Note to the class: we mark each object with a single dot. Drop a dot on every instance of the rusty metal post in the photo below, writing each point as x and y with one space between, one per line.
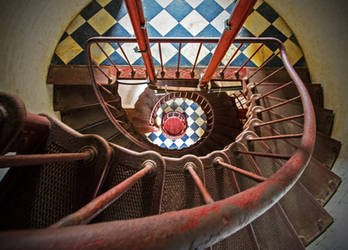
135 11
234 24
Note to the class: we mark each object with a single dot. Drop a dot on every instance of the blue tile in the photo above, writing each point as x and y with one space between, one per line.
230 8
184 61
209 31
179 9
184 105
117 59
194 126
210 46
194 116
178 31
151 9
152 32
204 126
267 12
163 145
173 61
174 106
194 137
122 12
152 136
204 117
194 106
164 106
117 30
80 59
83 33
245 33
56 60
205 61
139 61
162 137
90 10
183 146
272 31
209 9
155 62
184 138
173 146
114 8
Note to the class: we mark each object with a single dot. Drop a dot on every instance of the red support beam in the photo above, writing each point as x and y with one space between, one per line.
234 24
136 14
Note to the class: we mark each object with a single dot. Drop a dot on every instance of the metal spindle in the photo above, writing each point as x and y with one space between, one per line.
100 203
206 196
279 104
177 73
275 137
267 77
279 120
161 59
125 56
108 57
8 161
275 90
102 71
229 61
241 171
194 65
105 89
262 154
257 50
263 65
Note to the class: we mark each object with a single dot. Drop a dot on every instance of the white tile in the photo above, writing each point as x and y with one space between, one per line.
168 143
189 142
189 131
219 21
179 143
194 23
157 141
189 121
163 22
179 101
164 3
224 3
129 51
190 52
199 132
168 51
126 24
194 3
200 121
189 111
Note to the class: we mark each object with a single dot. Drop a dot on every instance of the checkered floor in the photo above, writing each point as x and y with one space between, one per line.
196 124
173 18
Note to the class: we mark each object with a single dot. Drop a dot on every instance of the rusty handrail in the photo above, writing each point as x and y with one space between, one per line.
197 227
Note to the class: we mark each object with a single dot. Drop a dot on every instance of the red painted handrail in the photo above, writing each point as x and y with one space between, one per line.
197 227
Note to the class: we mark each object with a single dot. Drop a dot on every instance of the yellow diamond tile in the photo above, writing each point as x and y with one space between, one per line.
256 24
102 21
230 53
75 24
97 55
68 49
282 27
294 52
262 55
103 3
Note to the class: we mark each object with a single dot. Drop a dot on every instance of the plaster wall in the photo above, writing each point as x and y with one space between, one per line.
30 31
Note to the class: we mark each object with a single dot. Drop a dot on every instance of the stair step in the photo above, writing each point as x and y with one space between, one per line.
73 97
281 76
79 118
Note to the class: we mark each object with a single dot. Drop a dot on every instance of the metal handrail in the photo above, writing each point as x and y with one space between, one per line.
197 227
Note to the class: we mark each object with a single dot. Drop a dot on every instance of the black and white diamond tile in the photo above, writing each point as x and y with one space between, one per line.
196 124
174 18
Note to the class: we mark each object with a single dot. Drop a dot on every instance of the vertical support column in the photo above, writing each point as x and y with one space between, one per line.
136 14
234 24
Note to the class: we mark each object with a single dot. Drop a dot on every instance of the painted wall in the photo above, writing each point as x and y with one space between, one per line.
30 31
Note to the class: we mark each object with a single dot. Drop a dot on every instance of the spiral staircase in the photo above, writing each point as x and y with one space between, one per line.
258 178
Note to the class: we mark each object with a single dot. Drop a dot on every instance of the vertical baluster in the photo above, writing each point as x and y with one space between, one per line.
229 61
257 50
161 60
194 65
177 73
125 56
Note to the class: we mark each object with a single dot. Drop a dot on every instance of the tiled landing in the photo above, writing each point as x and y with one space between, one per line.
173 18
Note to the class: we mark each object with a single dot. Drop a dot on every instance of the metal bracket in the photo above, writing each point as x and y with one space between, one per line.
137 50
228 27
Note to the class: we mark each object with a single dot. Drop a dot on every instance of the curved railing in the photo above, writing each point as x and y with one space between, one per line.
196 227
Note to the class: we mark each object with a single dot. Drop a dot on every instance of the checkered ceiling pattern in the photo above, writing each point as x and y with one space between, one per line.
196 124
173 18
